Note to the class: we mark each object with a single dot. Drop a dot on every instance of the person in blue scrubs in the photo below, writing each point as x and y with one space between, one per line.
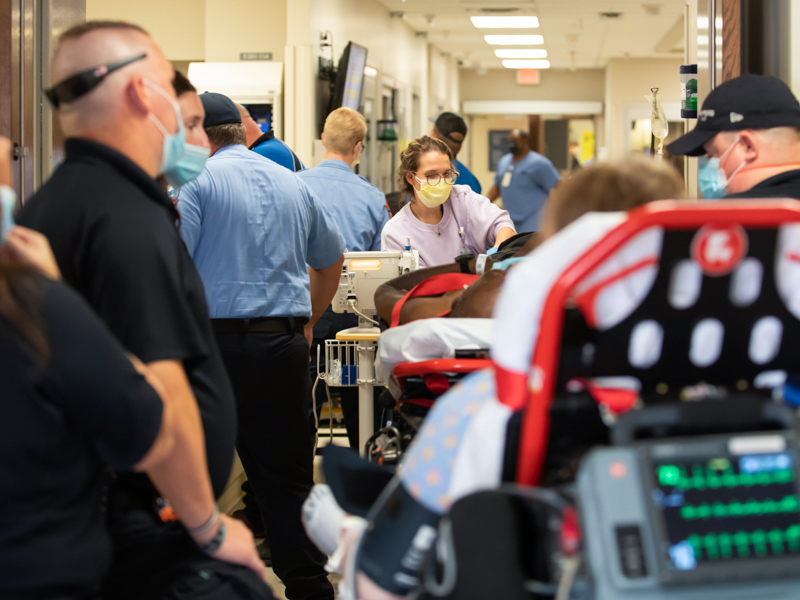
452 130
270 257
360 211
524 179
266 144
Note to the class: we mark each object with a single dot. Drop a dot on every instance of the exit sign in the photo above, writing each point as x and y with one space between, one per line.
255 56
528 76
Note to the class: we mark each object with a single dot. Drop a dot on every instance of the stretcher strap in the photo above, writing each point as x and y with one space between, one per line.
433 286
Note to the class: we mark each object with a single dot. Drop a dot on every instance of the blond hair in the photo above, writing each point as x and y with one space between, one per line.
344 128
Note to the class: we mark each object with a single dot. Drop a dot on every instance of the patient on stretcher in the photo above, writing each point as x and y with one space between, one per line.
461 447
468 326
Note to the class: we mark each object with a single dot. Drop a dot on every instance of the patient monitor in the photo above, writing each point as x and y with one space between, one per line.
362 273
712 517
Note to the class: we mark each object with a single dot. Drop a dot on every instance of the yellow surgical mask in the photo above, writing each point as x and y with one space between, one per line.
433 195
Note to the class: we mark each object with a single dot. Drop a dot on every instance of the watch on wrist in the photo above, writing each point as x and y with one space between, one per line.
463 261
212 545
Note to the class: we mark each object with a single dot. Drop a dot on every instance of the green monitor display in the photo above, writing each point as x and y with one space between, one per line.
725 509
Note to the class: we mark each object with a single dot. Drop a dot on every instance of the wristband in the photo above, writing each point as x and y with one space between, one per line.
211 546
480 264
207 526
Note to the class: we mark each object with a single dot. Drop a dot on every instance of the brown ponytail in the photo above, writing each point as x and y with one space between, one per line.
20 297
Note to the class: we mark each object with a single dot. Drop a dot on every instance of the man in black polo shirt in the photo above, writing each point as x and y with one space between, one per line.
748 140
113 232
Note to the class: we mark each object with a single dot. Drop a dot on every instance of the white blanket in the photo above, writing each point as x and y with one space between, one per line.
428 339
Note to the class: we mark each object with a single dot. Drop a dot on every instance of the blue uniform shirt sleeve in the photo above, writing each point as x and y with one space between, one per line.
502 165
191 215
544 174
325 242
383 219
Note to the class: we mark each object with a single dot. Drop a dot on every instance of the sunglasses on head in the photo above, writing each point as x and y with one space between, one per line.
82 83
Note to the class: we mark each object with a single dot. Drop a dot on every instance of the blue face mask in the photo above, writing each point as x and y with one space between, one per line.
189 165
8 200
174 143
711 178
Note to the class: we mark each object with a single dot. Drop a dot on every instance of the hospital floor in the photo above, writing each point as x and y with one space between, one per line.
278 589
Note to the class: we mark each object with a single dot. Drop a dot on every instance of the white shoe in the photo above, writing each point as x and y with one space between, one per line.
322 518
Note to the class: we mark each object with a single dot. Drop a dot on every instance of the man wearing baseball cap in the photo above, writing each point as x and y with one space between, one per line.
452 130
270 257
748 140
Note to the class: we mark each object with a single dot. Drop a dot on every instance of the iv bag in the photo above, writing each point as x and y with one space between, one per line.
658 120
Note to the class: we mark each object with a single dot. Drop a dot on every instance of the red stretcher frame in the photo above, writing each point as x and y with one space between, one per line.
669 214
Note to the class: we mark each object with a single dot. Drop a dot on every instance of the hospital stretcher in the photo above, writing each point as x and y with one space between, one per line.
687 436
700 449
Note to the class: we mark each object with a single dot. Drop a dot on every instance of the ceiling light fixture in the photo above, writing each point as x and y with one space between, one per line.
526 64
514 40
521 53
505 22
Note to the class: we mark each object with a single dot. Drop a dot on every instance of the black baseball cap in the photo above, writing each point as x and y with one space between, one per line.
448 123
220 110
747 102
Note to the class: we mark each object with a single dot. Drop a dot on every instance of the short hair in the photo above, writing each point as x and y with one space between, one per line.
181 84
455 147
409 158
227 134
344 128
605 187
82 29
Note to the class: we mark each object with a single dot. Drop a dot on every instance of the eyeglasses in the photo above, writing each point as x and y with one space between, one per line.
82 83
363 147
449 177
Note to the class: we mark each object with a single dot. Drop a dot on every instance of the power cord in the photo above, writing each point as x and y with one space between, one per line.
351 304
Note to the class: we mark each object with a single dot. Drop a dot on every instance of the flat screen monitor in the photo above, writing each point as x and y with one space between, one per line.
350 77
720 511
262 114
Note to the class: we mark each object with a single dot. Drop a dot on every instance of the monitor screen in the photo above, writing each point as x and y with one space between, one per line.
262 114
725 509
350 76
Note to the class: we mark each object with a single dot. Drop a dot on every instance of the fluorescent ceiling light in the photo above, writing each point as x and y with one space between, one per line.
521 53
514 40
370 71
526 64
505 22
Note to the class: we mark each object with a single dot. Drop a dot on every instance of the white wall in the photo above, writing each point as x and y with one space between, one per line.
501 84
243 26
177 26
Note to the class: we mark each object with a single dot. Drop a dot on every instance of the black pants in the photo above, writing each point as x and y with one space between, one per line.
269 373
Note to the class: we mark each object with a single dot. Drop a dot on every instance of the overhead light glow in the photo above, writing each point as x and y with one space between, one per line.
526 64
505 22
521 53
370 71
514 40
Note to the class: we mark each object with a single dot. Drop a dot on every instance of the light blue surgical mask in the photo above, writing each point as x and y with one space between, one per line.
174 143
8 199
189 165
711 177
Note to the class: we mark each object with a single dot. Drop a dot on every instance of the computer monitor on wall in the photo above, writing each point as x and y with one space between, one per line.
349 85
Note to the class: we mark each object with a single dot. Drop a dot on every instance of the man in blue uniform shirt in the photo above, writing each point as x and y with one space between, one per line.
452 130
266 144
360 211
524 179
270 259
